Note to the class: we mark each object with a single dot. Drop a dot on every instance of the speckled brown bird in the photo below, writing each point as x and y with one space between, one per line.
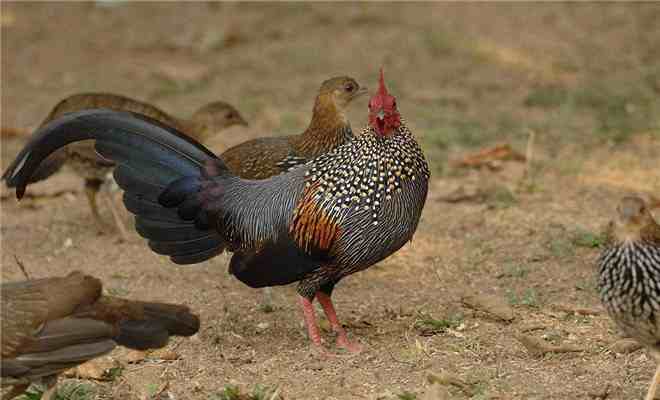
264 157
629 276
50 325
315 224
81 157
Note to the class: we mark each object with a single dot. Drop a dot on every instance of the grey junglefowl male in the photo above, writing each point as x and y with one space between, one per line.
50 325
338 214
629 276
329 127
206 122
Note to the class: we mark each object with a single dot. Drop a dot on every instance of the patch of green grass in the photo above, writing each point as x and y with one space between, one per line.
33 393
621 108
468 133
561 247
152 389
479 391
439 43
546 97
603 107
260 392
571 166
427 325
501 197
514 270
75 391
583 238
113 373
406 395
118 291
263 392
528 298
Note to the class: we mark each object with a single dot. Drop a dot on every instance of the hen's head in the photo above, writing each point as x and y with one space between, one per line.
384 117
218 115
341 91
634 220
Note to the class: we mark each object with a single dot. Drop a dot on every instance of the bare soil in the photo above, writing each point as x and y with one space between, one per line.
584 77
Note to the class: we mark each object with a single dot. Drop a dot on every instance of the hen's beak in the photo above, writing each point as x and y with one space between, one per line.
241 121
360 92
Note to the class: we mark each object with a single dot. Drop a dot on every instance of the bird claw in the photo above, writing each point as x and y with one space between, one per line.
322 353
351 347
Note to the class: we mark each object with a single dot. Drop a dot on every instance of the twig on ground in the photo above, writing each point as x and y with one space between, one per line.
22 267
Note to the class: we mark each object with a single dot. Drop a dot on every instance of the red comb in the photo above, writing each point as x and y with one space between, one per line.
382 90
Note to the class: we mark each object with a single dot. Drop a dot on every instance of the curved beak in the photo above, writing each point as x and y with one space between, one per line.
380 115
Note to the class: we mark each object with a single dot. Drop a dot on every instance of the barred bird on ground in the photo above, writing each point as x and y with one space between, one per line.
315 224
50 325
206 122
329 127
629 276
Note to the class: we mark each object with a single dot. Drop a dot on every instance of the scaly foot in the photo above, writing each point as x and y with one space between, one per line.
351 347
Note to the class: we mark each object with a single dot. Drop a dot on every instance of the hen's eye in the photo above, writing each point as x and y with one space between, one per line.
349 87
230 115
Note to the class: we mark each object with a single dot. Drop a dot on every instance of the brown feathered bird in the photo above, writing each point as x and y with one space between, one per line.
264 157
315 224
81 157
329 127
53 324
629 276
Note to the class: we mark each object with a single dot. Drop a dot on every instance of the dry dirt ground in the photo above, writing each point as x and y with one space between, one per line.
585 78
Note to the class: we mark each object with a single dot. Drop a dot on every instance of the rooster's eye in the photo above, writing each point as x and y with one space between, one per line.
349 87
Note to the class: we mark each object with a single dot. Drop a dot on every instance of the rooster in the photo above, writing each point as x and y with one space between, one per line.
329 127
338 214
50 325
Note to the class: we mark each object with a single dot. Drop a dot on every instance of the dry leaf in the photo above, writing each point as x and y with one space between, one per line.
492 305
448 379
625 346
537 347
6 132
462 194
436 392
164 354
97 369
490 157
135 356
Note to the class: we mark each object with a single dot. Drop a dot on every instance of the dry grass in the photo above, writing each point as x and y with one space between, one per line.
583 77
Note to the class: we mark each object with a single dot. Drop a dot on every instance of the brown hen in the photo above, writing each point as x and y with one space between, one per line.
50 325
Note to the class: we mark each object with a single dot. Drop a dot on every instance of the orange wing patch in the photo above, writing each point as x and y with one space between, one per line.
312 228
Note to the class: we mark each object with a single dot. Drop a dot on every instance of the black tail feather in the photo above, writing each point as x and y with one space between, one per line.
150 157
182 248
49 166
160 322
142 335
197 257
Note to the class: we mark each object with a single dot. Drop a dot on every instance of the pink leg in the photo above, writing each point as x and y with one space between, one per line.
310 320
342 339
